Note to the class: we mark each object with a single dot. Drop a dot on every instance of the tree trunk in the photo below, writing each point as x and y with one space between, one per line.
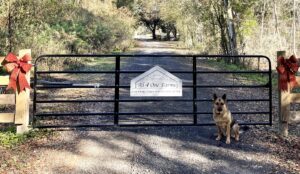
168 35
294 27
153 30
9 27
222 26
224 43
174 31
277 32
231 30
263 11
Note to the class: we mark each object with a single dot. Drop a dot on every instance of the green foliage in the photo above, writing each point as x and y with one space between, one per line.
9 138
260 78
2 70
147 13
54 26
125 3
247 27
247 20
102 64
202 24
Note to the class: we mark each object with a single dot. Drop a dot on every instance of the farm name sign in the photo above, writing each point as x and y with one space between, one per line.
156 82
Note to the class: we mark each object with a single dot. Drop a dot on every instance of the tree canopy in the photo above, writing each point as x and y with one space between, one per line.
72 26
210 26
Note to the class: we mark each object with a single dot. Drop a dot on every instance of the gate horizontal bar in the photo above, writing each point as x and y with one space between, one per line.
188 100
233 86
135 72
107 114
73 86
139 125
191 124
186 113
147 55
146 100
140 113
74 114
99 72
127 86
233 72
73 126
77 72
73 101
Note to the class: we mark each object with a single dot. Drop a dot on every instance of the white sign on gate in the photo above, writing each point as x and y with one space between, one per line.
156 82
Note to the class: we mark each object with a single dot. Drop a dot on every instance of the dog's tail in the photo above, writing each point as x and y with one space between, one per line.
238 128
243 128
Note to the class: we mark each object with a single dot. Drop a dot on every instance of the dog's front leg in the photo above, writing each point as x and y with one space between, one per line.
219 134
228 134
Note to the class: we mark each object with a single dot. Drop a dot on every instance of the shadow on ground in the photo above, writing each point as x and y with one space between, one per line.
154 150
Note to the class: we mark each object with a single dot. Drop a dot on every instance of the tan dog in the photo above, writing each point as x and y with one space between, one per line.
223 119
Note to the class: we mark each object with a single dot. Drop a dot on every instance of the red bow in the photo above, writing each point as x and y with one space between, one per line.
287 69
17 69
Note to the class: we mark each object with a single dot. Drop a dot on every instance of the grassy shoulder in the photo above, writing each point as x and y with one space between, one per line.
259 78
10 139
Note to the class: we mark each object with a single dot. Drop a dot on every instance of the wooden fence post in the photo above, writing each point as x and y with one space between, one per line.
284 104
22 102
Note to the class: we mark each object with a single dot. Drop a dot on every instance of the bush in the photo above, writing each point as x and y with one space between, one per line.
49 27
9 138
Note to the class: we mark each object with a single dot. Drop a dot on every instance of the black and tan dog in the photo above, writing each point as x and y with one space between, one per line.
223 119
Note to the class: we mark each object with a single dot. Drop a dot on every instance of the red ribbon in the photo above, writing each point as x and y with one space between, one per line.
17 69
287 69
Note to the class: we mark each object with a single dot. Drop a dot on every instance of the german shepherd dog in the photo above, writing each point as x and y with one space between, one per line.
223 119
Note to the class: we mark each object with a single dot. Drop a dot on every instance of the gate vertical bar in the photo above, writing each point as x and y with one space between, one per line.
270 92
117 90
195 89
34 95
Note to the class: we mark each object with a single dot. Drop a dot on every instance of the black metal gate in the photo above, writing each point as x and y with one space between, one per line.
116 72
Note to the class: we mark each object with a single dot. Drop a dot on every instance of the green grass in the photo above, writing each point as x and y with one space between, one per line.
105 64
260 78
295 90
274 79
9 138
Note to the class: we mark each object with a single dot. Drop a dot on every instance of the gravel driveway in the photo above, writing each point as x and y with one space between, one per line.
156 149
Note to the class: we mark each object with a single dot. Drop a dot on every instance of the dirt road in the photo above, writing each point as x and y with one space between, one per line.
155 149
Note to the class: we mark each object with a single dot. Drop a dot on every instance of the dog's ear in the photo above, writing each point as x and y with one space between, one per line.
215 97
224 97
